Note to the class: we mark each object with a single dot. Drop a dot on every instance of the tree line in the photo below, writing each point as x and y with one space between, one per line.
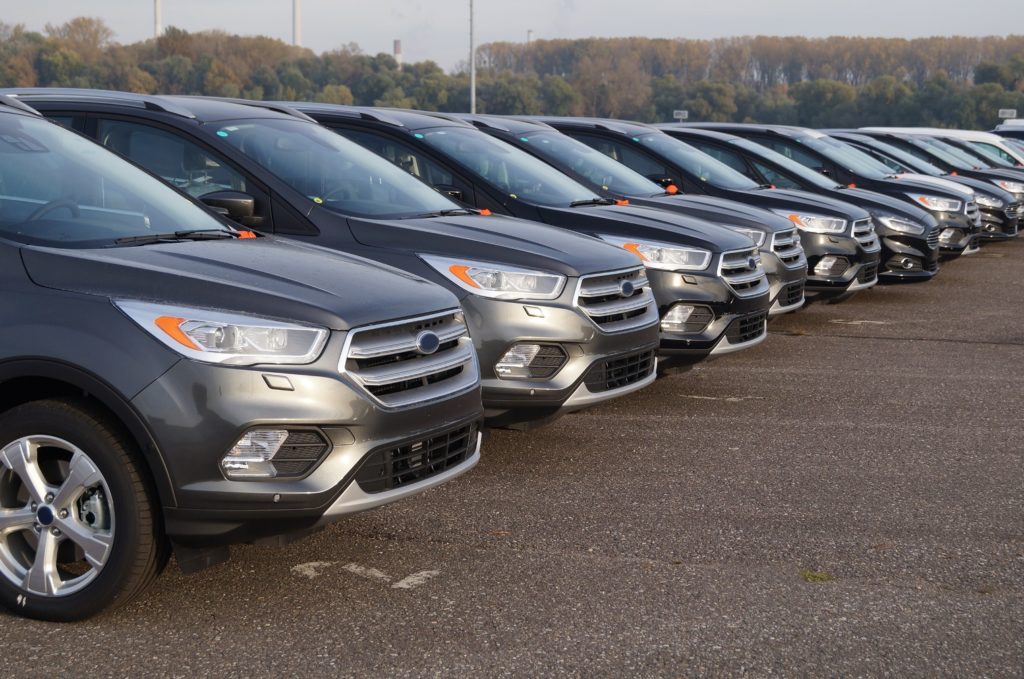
838 81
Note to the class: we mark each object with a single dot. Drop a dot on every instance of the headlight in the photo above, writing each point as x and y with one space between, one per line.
214 336
902 225
664 255
499 281
988 201
814 223
1012 187
936 202
753 234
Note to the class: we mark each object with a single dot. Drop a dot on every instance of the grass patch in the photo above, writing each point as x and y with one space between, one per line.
815 576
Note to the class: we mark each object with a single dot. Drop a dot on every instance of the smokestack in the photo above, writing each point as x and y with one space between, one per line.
297 23
398 54
529 36
158 28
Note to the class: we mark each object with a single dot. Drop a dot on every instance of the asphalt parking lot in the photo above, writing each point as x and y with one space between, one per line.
846 499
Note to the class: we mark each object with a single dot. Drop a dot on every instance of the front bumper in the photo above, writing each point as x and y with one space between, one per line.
907 258
861 272
734 320
1003 224
786 283
965 234
196 412
497 325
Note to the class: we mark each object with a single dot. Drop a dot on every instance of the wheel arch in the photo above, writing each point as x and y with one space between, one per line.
25 380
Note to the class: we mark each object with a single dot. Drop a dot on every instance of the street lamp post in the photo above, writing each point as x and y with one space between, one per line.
472 60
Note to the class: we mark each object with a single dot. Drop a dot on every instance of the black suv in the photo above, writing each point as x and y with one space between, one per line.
166 379
776 237
560 321
838 238
1001 208
955 210
709 282
909 235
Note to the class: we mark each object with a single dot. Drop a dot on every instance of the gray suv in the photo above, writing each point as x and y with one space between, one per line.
167 381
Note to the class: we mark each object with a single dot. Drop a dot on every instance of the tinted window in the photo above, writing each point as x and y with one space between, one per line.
512 171
178 161
700 165
60 189
589 163
994 152
639 162
730 158
912 161
774 178
330 170
801 172
845 156
403 156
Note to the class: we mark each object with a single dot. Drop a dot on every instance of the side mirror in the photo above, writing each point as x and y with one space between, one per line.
241 207
664 182
450 191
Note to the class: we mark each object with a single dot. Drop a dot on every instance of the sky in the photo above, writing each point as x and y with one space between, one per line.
439 29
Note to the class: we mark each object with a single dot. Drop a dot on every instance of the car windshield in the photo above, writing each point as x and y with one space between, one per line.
991 154
512 171
850 159
911 161
970 160
697 163
594 166
332 171
932 147
59 189
1016 144
805 173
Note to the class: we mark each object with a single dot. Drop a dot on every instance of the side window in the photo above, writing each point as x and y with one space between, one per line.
995 151
178 161
64 121
729 157
410 160
638 162
775 178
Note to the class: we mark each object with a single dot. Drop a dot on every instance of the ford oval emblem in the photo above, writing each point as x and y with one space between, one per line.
752 263
626 288
427 342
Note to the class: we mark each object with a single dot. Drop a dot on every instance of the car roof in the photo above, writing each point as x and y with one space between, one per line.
625 127
412 120
717 135
971 135
782 130
510 124
12 105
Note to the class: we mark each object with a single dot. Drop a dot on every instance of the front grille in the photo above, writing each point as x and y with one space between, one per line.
1015 210
791 294
299 453
391 361
933 238
864 232
393 468
617 301
931 263
786 246
742 270
623 371
868 273
747 328
973 212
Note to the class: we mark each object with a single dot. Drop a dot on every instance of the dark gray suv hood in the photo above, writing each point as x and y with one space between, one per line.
263 277
496 239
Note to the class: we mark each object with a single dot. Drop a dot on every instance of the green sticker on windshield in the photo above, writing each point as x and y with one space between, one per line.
318 200
221 133
418 135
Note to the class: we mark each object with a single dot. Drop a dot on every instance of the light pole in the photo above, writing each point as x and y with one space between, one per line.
297 23
472 60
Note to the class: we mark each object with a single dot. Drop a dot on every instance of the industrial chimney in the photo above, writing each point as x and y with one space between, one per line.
297 23
398 54
158 28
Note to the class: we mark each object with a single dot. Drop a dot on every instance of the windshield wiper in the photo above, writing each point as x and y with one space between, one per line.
175 236
592 201
450 212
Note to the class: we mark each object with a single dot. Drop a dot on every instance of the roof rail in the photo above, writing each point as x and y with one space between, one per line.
276 106
148 101
12 102
349 111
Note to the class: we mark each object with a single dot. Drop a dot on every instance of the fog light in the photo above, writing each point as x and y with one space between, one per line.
530 361
685 318
950 236
250 457
830 265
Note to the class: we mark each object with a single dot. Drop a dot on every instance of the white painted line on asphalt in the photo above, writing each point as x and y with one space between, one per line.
312 569
843 321
368 573
729 399
415 580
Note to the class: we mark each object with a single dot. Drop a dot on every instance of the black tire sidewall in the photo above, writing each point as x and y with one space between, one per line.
108 452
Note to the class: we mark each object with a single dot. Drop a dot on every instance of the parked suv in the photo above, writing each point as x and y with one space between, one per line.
909 235
709 283
560 321
166 378
955 210
838 238
775 236
1001 208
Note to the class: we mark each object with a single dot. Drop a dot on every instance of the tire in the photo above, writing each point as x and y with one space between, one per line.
93 541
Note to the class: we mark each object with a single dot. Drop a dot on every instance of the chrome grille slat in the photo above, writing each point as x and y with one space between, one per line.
385 362
599 296
735 269
972 210
933 238
787 247
864 231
